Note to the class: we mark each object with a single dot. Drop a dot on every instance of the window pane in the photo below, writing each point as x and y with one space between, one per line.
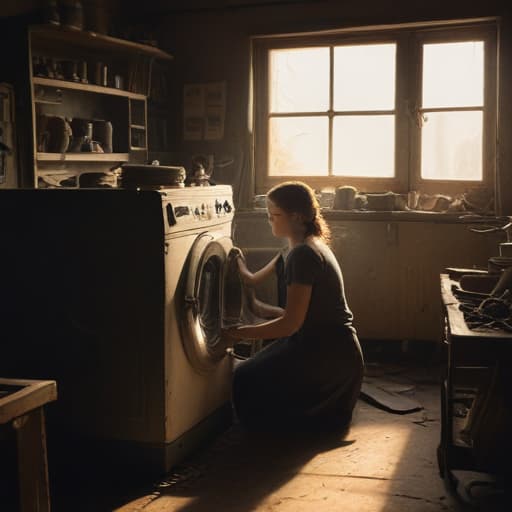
298 145
451 146
299 80
364 146
364 77
453 74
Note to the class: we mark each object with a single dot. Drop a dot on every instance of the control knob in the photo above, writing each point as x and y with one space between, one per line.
227 207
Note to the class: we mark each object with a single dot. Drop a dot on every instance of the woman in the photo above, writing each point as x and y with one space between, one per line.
310 377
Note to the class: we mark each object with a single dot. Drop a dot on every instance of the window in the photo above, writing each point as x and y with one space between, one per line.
403 109
452 110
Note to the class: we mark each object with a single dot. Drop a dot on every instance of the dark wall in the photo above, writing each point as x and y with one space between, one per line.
17 7
213 44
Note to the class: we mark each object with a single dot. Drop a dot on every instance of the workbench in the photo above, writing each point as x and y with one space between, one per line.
472 357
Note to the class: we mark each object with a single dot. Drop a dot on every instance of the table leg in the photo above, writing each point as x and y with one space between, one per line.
32 462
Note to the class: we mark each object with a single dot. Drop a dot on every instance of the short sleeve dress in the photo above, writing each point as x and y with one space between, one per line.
312 378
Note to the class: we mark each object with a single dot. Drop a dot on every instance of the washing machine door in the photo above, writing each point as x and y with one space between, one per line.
213 298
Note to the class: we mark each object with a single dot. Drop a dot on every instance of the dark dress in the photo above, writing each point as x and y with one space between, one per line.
311 379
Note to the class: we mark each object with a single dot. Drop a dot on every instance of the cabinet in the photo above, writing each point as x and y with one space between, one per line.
82 104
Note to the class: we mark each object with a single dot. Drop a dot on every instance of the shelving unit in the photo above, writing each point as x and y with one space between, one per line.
112 95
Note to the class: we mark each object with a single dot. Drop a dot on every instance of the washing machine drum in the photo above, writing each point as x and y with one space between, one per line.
213 298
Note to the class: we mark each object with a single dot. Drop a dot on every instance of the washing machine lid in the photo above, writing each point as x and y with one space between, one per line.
213 296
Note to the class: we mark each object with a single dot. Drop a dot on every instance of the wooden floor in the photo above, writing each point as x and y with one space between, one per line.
386 463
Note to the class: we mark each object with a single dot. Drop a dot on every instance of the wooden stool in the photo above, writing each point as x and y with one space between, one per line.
21 405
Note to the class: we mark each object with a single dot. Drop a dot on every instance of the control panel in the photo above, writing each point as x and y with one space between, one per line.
190 208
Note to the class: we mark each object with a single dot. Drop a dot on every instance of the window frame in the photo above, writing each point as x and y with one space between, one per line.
489 109
408 93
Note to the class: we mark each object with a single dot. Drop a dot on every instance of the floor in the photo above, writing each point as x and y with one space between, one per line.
386 463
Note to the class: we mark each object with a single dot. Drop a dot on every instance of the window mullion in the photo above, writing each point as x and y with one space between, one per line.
415 66
331 108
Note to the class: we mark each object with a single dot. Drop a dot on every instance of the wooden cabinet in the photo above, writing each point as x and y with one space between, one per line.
82 102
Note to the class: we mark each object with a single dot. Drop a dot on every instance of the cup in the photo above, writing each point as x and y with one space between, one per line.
412 199
344 198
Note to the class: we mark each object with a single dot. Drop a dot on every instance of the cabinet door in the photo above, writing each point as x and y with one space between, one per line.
368 254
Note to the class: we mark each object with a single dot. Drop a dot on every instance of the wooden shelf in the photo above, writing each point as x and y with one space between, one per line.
78 86
93 40
83 157
47 102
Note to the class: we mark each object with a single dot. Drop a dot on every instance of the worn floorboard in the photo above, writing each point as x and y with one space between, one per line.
386 463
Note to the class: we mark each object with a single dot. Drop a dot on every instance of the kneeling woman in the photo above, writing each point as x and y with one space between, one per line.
310 377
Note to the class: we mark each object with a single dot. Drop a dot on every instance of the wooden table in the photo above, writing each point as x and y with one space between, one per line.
472 355
21 405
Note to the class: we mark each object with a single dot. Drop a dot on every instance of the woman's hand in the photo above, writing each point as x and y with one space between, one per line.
245 274
254 278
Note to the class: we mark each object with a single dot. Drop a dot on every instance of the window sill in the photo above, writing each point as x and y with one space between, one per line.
389 216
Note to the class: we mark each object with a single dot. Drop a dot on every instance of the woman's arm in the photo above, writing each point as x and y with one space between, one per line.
298 297
262 309
254 278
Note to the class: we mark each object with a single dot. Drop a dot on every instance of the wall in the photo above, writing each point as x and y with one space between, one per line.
21 7
213 44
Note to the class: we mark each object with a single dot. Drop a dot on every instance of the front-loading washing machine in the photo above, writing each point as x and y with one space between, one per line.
200 298
120 296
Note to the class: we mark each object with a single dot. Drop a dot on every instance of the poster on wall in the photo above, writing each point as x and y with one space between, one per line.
193 112
215 110
204 111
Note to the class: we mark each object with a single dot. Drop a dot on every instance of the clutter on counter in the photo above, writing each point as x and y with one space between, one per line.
348 198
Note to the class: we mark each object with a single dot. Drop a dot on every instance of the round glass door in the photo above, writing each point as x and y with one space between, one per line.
205 297
233 299
209 303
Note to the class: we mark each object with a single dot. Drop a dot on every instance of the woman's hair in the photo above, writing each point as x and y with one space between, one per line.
297 197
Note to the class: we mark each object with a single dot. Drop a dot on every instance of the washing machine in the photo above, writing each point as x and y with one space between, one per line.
120 296
202 298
